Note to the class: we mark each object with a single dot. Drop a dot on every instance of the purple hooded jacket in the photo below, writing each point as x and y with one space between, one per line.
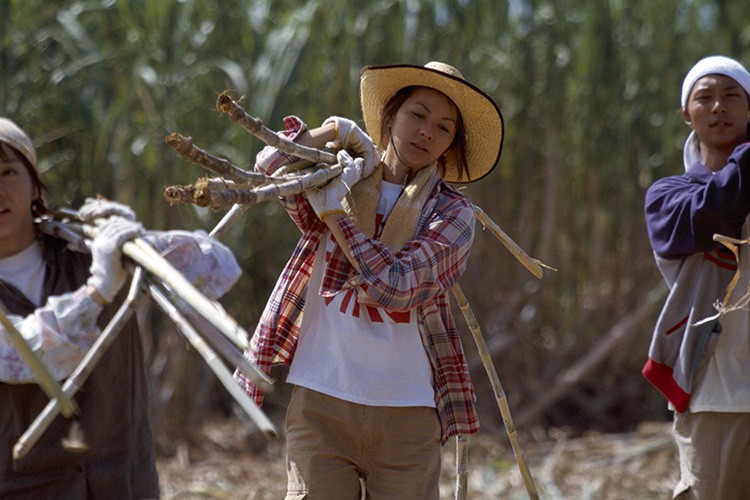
683 212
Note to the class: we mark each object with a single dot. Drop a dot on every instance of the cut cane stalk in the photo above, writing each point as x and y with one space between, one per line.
180 195
143 254
255 126
75 441
226 223
462 467
500 398
225 168
43 377
733 245
69 232
177 195
140 251
214 362
208 332
217 194
533 265
200 192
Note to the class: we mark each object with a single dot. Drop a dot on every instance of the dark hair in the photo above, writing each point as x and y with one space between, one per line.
456 151
39 206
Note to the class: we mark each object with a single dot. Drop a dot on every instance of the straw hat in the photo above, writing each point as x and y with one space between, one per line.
481 116
14 136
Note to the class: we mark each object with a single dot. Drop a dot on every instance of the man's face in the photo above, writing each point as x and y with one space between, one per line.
718 110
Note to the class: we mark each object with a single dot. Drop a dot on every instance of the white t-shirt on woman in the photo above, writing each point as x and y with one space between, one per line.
360 353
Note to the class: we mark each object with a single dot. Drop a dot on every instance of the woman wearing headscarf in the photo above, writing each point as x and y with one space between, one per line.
698 360
361 311
59 300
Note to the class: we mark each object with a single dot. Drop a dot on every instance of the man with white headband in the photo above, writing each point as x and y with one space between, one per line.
700 361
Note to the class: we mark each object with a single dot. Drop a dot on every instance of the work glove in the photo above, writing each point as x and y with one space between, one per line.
100 208
327 199
349 136
108 273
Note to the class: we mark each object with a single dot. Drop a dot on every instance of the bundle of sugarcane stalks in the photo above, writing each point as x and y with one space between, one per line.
217 337
239 189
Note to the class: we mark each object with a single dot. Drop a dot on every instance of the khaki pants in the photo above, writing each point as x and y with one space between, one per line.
714 451
332 444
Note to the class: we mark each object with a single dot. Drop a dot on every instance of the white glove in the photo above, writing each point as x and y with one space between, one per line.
99 208
107 271
349 136
327 199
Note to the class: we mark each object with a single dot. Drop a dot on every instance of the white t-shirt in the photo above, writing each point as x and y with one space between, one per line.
25 271
724 386
360 353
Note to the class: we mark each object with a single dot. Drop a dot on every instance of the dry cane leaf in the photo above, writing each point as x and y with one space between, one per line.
724 306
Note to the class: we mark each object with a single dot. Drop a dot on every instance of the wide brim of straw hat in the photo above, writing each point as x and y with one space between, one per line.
482 119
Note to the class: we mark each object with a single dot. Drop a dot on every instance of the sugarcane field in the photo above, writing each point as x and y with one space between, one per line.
466 249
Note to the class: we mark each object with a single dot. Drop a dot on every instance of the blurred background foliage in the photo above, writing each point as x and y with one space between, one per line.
589 90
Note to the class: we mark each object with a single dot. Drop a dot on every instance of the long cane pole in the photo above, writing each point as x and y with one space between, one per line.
215 363
502 401
462 467
43 377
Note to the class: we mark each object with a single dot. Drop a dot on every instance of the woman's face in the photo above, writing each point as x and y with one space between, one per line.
718 111
17 192
422 129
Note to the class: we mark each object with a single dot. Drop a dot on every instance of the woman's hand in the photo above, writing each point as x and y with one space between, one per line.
327 199
99 208
350 137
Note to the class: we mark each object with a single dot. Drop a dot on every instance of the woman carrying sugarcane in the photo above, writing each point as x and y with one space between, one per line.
361 311
58 299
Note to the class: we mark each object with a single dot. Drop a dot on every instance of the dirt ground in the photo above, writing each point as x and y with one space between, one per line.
641 465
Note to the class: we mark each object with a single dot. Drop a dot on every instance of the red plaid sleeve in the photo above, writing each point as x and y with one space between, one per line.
270 159
424 268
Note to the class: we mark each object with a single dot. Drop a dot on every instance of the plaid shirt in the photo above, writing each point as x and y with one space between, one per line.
418 276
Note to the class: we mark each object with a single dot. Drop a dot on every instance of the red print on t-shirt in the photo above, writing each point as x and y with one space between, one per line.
374 313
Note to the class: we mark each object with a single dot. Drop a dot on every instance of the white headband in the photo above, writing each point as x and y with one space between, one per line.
712 65
14 136
715 65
